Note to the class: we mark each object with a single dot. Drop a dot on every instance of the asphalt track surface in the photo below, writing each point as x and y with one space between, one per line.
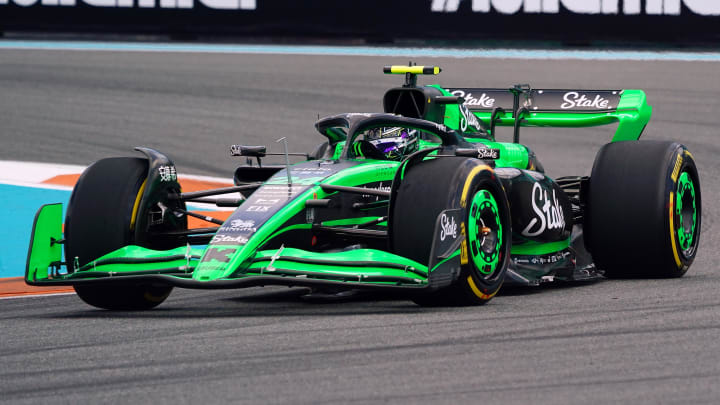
634 341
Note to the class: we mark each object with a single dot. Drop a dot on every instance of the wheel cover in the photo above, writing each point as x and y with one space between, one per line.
686 212
485 247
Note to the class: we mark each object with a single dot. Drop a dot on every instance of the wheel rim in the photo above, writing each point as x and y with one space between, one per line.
686 212
485 233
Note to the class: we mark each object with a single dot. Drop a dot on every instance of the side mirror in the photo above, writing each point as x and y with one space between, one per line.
243 150
259 152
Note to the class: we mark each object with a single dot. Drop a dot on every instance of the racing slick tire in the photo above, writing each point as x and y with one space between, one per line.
643 210
432 186
99 220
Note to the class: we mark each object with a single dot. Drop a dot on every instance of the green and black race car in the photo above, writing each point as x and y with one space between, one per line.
419 199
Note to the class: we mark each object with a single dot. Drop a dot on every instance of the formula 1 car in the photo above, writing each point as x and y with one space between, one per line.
420 199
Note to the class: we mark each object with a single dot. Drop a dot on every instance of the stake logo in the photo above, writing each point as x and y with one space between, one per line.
483 101
448 227
485 153
625 7
468 119
549 212
574 99
239 240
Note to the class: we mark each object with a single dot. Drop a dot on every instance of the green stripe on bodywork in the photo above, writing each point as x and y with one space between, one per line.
290 228
452 256
350 256
348 221
536 248
359 265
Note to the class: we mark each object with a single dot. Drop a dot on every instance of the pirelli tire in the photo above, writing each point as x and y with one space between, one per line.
99 220
644 209
428 188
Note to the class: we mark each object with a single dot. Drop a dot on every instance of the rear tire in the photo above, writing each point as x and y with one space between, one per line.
432 186
99 220
644 210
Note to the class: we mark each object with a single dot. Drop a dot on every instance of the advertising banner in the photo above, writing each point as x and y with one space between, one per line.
654 20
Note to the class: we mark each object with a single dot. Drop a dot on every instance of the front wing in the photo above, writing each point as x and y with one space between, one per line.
356 269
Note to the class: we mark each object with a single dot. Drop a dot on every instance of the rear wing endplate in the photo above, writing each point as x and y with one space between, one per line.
522 106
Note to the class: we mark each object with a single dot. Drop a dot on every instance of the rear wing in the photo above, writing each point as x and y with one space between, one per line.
476 110
523 106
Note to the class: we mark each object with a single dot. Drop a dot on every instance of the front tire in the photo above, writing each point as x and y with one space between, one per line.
644 209
100 219
432 186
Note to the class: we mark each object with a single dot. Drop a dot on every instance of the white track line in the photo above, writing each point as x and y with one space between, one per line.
25 295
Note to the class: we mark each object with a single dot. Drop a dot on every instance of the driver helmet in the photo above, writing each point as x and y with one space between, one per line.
394 142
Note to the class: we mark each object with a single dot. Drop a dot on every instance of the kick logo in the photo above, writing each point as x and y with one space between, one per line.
626 7
239 225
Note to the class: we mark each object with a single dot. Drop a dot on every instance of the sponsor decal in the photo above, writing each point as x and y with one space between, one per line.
281 178
239 225
266 201
483 100
468 119
574 99
240 240
549 212
246 150
379 188
183 4
258 208
608 7
366 115
167 173
485 153
676 168
448 227
277 192
311 171
544 259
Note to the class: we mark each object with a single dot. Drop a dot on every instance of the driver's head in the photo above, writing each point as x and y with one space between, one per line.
393 142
